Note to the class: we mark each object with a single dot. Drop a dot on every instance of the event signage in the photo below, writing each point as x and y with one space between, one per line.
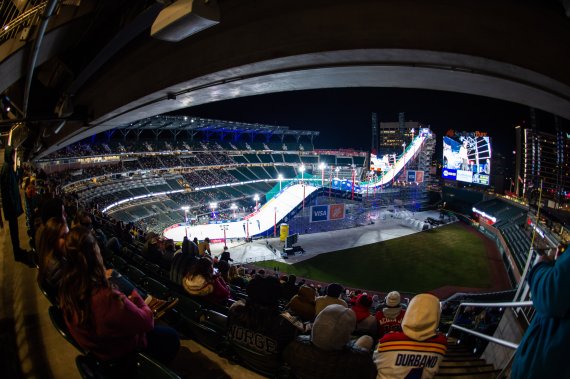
327 212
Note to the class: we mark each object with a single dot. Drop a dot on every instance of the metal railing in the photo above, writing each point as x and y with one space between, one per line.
498 341
14 21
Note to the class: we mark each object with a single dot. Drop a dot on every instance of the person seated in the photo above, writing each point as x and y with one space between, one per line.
201 281
152 249
50 247
365 322
329 352
289 288
101 319
333 292
419 349
302 304
256 324
237 277
390 317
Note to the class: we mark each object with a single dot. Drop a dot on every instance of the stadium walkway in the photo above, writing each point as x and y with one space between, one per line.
30 347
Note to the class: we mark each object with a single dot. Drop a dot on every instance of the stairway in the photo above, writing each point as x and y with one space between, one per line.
459 362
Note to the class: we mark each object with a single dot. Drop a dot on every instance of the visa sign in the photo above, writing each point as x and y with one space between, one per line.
319 213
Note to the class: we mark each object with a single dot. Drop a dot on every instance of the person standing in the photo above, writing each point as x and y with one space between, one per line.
11 201
543 349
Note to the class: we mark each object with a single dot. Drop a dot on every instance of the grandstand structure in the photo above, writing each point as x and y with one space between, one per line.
148 178
168 170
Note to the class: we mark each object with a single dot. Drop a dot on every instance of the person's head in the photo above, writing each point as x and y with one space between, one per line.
203 267
207 240
292 279
84 219
84 273
51 244
334 290
364 300
422 317
333 327
264 291
393 299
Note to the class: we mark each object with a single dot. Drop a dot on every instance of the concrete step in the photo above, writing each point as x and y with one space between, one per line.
466 369
455 363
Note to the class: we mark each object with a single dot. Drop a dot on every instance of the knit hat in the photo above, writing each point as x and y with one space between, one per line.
334 290
422 317
333 327
364 300
264 291
393 299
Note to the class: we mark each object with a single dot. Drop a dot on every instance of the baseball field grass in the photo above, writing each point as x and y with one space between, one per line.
445 256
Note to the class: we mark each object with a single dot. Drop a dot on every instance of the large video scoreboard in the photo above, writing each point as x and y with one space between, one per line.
467 157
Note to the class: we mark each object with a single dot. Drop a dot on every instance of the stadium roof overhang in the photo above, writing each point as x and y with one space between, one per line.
514 52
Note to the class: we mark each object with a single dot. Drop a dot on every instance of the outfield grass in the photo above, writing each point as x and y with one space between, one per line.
449 255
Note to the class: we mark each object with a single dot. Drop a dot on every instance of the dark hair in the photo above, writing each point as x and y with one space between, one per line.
47 247
52 208
83 275
203 267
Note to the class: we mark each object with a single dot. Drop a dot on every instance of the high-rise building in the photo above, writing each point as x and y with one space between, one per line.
543 157
392 135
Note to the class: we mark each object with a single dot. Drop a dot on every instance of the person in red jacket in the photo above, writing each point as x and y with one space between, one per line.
101 319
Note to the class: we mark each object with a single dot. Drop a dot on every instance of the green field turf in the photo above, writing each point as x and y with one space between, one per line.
420 262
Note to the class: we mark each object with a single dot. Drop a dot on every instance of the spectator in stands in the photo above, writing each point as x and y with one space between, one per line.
302 304
152 249
328 352
390 317
12 203
204 247
201 281
237 277
333 292
255 324
365 322
32 201
543 350
290 288
51 250
418 350
103 320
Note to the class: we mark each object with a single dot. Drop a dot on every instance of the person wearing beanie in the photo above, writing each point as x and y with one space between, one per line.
390 317
329 352
303 303
289 288
365 322
256 324
332 296
543 349
419 349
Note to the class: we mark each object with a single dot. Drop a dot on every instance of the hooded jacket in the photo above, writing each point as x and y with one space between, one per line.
419 349
303 303
11 202
543 349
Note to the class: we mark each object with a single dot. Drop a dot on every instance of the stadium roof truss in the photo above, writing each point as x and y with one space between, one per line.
209 127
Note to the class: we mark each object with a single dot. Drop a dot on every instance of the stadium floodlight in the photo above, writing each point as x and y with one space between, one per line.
234 207
280 177
256 198
185 208
213 205
302 169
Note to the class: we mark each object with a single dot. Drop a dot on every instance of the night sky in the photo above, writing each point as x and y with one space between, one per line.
343 116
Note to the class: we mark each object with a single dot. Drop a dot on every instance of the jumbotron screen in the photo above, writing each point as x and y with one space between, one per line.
467 158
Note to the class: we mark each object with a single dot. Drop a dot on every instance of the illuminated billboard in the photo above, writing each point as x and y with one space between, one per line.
467 158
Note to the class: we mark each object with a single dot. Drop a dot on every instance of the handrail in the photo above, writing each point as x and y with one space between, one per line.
509 304
13 26
498 341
